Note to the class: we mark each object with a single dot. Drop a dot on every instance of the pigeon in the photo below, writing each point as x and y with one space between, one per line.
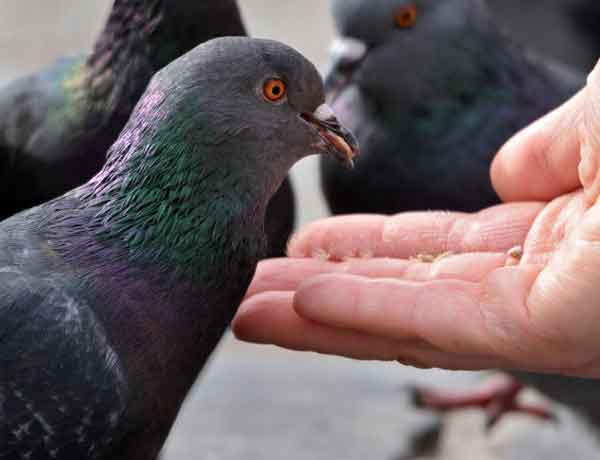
567 30
113 295
431 89
56 126
280 220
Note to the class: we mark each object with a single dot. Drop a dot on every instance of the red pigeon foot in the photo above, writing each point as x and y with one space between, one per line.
497 397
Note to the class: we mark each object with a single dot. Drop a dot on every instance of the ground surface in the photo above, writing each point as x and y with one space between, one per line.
267 404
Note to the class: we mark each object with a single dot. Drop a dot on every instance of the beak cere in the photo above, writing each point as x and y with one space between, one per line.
335 139
347 52
347 55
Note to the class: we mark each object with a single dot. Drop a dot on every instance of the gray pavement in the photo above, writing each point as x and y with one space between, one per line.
263 403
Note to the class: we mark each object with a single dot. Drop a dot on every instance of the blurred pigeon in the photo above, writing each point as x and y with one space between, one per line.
567 30
56 126
432 89
113 296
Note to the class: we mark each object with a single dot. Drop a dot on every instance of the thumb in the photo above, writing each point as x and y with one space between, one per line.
540 162
589 132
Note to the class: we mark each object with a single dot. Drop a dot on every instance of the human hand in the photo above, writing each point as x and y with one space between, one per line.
354 286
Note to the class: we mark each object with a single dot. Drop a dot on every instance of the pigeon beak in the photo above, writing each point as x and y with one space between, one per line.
334 138
346 56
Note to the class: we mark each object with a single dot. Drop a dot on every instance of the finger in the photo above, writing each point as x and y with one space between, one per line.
540 162
497 229
270 319
564 295
426 358
558 220
491 318
589 168
288 274
396 309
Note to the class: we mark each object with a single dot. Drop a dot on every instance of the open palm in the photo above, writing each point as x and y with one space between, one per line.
515 287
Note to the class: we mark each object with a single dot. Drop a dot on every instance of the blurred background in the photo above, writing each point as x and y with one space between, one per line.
265 403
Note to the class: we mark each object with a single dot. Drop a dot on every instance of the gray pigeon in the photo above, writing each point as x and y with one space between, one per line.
567 30
113 296
56 125
432 89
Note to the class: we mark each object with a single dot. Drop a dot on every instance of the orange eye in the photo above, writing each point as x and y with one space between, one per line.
274 89
406 17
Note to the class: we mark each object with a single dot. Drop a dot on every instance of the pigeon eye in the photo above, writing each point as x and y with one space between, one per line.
406 17
274 89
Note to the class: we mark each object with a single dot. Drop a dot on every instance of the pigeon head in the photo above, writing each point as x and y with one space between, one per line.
217 130
401 52
250 106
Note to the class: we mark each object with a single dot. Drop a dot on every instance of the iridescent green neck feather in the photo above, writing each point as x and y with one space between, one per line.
198 216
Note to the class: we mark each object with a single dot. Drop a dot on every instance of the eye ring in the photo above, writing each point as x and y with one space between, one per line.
274 89
406 17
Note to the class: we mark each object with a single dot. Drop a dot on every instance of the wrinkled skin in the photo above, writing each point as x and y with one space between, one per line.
481 308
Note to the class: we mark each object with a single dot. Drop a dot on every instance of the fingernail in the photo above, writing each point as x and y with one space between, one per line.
588 173
587 169
291 250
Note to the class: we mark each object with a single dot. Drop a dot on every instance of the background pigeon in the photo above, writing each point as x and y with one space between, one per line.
432 89
567 30
56 126
113 295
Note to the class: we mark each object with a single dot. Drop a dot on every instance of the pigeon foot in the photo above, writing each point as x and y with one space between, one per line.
497 398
